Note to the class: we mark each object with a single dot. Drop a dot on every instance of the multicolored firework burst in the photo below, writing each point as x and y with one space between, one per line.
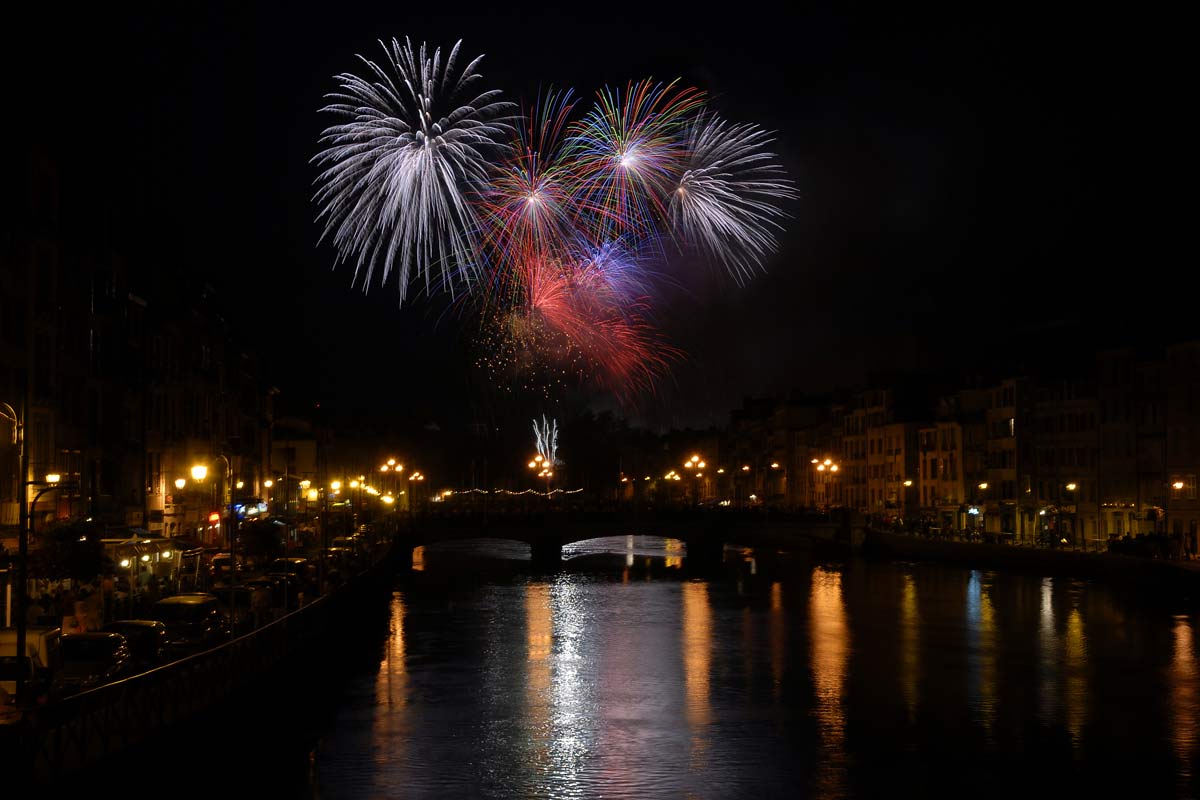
565 221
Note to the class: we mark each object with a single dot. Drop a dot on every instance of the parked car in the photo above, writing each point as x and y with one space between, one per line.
90 660
294 565
146 639
194 622
219 566
43 657
286 588
234 603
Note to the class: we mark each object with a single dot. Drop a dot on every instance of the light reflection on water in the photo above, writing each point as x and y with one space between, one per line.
801 679
830 651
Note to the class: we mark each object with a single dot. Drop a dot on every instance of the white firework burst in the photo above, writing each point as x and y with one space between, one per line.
545 438
725 201
397 177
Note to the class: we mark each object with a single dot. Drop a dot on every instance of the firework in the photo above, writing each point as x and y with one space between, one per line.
396 176
625 154
528 209
724 200
545 438
563 221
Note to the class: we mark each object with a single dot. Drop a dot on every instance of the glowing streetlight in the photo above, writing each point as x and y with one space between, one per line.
53 478
241 484
336 486
180 483
268 483
1072 487
199 472
824 468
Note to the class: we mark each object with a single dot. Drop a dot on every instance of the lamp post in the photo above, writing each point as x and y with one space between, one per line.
231 527
544 471
10 414
51 483
1075 537
695 465
199 472
983 509
825 471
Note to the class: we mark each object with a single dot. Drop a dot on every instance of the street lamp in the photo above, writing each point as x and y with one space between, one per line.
545 470
1071 487
825 470
695 464
983 508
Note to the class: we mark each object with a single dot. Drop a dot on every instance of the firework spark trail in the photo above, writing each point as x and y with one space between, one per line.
625 151
608 330
562 219
395 179
724 202
528 207
545 441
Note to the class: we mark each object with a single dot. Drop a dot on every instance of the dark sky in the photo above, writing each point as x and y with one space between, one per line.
967 184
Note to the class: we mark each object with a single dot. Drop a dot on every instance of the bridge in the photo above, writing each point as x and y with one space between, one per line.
703 532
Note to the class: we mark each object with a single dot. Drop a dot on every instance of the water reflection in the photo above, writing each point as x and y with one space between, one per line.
1184 698
571 687
981 625
539 629
1048 663
1075 667
586 686
778 639
910 647
697 661
830 651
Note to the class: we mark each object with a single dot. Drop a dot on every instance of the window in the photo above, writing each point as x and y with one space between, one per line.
1187 490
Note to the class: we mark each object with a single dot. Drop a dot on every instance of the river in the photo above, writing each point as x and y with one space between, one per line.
780 675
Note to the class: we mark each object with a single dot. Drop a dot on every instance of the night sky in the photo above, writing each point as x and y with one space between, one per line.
965 184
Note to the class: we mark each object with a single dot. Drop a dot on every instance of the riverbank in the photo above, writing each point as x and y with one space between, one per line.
1157 575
